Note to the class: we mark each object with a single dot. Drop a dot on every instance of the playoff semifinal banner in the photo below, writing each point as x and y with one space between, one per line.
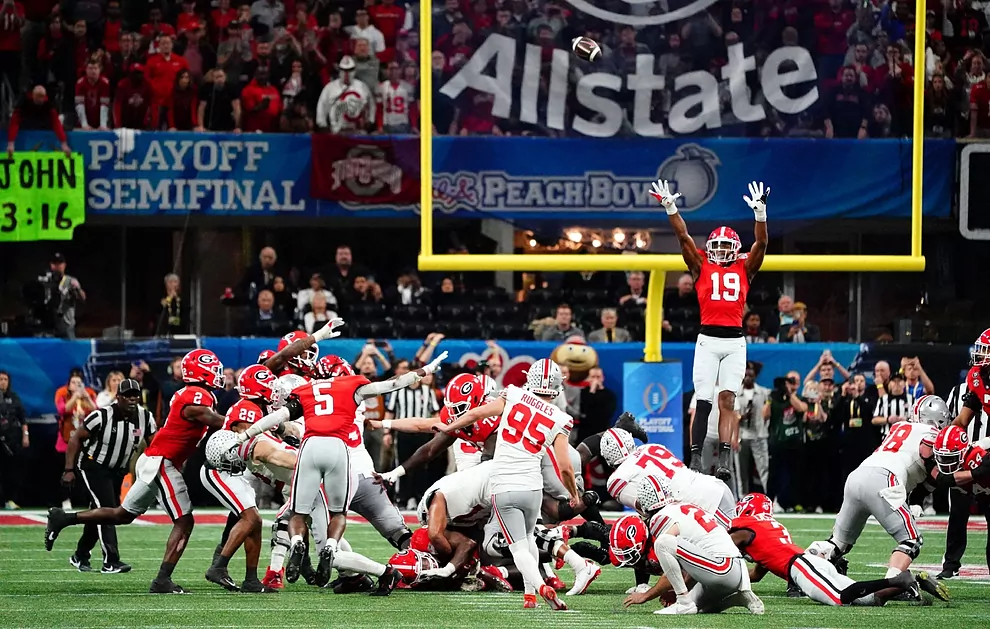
652 392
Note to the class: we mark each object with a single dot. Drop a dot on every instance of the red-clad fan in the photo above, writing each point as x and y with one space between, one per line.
388 18
766 542
157 472
328 409
162 69
132 101
34 112
464 392
93 99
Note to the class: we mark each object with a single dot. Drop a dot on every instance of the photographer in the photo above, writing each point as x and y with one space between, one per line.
62 292
851 417
786 413
825 369
818 445
14 437
753 435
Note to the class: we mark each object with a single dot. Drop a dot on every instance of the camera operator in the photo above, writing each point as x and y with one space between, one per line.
14 437
818 444
62 292
786 413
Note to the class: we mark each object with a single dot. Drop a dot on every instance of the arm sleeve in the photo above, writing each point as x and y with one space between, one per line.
268 422
387 386
104 115
81 112
972 402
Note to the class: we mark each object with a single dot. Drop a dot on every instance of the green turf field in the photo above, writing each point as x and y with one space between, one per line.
40 590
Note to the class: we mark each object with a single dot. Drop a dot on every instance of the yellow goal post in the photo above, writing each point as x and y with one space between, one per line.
656 264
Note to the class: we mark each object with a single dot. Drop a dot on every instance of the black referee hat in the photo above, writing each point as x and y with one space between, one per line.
129 387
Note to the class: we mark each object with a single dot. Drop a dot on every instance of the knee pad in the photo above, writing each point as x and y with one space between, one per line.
496 546
280 533
666 543
400 539
910 547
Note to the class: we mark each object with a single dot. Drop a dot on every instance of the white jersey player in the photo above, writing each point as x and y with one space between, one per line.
467 496
632 466
880 487
530 425
346 104
687 538
396 102
466 455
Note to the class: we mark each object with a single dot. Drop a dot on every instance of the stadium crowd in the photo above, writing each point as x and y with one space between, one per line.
225 65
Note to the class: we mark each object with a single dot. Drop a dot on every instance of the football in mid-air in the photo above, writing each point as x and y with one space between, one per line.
586 48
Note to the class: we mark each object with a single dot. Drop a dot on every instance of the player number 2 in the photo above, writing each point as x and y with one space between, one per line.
324 401
729 289
896 438
704 520
528 426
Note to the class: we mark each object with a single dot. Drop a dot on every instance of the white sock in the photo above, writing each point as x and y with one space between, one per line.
352 562
527 564
575 561
278 558
548 569
892 572
296 539
332 545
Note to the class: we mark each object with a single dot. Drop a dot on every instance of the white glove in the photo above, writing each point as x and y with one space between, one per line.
241 437
757 201
916 511
444 572
394 475
329 331
432 367
661 192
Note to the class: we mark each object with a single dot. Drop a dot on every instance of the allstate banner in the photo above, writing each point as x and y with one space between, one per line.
609 179
359 170
652 392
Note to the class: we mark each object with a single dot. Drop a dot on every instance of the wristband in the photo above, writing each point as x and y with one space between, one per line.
322 334
761 215
399 472
671 210
73 470
387 424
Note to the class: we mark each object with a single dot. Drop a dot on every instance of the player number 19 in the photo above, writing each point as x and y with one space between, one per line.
729 289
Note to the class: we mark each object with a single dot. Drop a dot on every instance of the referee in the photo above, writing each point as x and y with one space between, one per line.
100 449
416 400
960 502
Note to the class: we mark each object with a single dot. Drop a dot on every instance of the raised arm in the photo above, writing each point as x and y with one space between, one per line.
296 348
374 389
689 250
757 201
409 424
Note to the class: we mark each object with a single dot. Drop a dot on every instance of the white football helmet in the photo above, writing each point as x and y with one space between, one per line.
544 378
222 452
617 444
654 494
931 410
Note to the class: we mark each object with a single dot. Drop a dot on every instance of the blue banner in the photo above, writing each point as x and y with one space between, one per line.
39 366
653 393
135 173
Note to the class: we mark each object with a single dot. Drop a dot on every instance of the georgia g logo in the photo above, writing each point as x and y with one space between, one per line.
207 359
466 388
692 172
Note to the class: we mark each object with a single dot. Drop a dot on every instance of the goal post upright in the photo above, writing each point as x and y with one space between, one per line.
656 264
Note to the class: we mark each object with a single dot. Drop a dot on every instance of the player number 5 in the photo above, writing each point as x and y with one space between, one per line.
729 290
324 401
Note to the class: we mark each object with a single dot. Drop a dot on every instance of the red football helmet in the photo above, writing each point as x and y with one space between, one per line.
332 366
420 540
627 541
201 366
264 356
723 246
754 504
305 361
950 447
410 564
257 382
463 392
980 353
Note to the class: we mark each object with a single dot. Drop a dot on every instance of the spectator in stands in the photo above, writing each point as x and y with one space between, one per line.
447 293
831 26
364 29
341 277
752 330
916 381
123 58
187 19
317 286
11 49
268 14
92 100
365 290
847 108
132 103
219 104
785 413
260 276
940 109
196 50
785 315
220 17
367 66
334 43
634 294
162 70
408 289
35 112
152 31
285 299
562 329
609 333
54 56
17 437
682 312
107 396
267 320
881 379
228 395
183 104
170 318
261 102
113 27
318 314
800 331
979 109
597 406
73 403
389 18
825 369
234 52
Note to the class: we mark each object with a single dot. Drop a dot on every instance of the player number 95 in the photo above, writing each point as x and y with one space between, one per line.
9 216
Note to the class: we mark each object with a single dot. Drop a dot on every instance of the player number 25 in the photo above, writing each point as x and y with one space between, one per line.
324 401
725 286
526 425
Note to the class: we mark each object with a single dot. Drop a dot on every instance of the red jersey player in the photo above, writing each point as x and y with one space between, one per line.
328 408
722 278
765 541
977 396
157 472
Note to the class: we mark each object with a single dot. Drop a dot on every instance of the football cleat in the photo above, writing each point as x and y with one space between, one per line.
753 603
221 577
307 572
57 520
257 587
793 591
584 578
297 552
324 568
82 565
493 580
387 582
117 567
679 608
166 586
529 601
555 583
273 579
724 474
947 574
351 585
549 594
627 422
931 586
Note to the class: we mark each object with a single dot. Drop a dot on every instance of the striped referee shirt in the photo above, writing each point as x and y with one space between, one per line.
112 437
977 428
410 402
893 406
